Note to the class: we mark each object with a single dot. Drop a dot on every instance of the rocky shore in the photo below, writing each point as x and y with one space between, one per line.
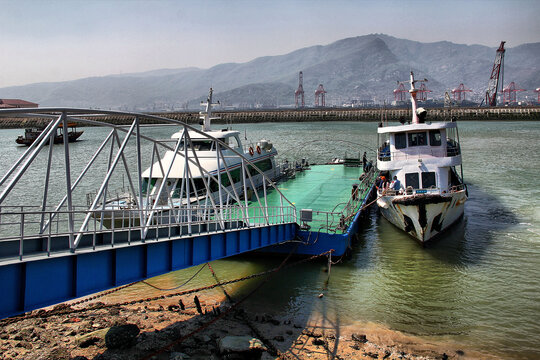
206 328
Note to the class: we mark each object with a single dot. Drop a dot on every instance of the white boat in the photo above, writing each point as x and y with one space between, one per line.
196 167
424 158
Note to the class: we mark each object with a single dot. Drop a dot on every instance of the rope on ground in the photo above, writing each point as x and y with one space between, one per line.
176 287
270 273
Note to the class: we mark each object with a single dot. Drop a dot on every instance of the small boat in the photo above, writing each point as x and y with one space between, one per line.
420 190
31 134
213 163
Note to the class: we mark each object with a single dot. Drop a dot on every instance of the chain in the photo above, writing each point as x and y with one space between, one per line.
66 309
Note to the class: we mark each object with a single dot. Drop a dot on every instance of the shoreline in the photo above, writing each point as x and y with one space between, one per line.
303 115
166 331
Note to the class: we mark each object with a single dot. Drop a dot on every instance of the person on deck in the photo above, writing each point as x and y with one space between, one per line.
396 184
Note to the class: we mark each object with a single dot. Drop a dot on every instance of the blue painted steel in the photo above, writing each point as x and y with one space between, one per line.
314 243
33 284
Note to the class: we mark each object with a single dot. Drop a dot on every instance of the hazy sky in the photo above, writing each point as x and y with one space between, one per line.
46 40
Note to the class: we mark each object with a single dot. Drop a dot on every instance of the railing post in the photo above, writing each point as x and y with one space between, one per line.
71 223
21 249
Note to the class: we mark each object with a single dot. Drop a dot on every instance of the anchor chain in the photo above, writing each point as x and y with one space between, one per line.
65 309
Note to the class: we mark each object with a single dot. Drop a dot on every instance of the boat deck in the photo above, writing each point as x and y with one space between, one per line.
326 190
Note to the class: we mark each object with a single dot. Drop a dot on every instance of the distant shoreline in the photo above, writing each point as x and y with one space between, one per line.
310 115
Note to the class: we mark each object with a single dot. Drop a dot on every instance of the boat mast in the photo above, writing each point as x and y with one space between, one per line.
414 104
206 116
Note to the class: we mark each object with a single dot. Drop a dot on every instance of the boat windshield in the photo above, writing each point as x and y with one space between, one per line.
199 145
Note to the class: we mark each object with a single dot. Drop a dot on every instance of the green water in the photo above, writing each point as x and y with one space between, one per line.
478 286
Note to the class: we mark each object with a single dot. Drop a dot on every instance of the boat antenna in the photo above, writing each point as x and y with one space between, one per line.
206 116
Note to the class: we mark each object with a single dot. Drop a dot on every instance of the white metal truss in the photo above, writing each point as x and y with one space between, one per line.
142 212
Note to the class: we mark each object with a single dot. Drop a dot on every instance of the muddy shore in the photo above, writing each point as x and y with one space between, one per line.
177 328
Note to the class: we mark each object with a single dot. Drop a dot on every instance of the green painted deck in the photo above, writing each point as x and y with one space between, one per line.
327 190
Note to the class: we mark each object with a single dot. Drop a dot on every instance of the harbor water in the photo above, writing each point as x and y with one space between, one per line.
477 286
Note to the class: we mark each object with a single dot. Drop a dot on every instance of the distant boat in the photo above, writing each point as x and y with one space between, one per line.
31 134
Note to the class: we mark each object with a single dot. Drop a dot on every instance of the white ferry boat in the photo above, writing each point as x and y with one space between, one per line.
196 167
422 192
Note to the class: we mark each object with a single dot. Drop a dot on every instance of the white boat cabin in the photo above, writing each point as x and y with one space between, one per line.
423 156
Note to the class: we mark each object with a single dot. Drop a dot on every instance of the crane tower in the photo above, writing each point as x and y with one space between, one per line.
299 93
461 89
498 69
320 93
509 93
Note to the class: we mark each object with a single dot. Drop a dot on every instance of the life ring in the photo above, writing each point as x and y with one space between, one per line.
251 151
258 149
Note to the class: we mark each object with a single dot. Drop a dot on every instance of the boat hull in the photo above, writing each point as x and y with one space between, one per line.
423 216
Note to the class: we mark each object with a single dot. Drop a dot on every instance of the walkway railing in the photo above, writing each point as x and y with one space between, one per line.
339 219
117 160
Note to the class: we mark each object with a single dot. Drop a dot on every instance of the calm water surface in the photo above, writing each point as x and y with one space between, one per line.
478 286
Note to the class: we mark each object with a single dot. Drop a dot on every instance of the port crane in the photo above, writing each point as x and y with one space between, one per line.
496 71
299 93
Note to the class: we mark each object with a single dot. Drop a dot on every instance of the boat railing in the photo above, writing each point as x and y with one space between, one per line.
341 216
25 230
386 155
412 191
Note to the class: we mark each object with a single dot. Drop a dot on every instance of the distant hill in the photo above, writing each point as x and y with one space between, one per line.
363 67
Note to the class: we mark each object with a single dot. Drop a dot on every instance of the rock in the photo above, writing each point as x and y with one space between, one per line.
247 346
121 337
178 356
460 352
359 338
318 341
91 338
4 336
298 342
444 356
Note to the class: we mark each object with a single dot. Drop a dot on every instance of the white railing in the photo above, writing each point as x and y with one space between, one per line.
121 152
386 155
24 224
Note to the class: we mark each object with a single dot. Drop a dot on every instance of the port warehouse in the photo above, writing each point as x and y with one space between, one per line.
327 114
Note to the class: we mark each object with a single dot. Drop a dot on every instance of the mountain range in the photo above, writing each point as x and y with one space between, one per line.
364 67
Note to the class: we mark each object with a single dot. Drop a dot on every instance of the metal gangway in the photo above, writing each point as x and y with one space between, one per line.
78 218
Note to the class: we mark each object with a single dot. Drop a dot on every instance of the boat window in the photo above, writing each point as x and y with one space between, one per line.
232 142
417 139
434 138
400 140
263 165
202 145
411 180
145 186
428 180
199 189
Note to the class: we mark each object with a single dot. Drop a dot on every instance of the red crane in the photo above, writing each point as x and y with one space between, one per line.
299 93
498 69
538 91
461 89
509 93
320 93
400 93
422 92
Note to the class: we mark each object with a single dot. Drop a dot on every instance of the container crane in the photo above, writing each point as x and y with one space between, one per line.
509 93
320 93
457 92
